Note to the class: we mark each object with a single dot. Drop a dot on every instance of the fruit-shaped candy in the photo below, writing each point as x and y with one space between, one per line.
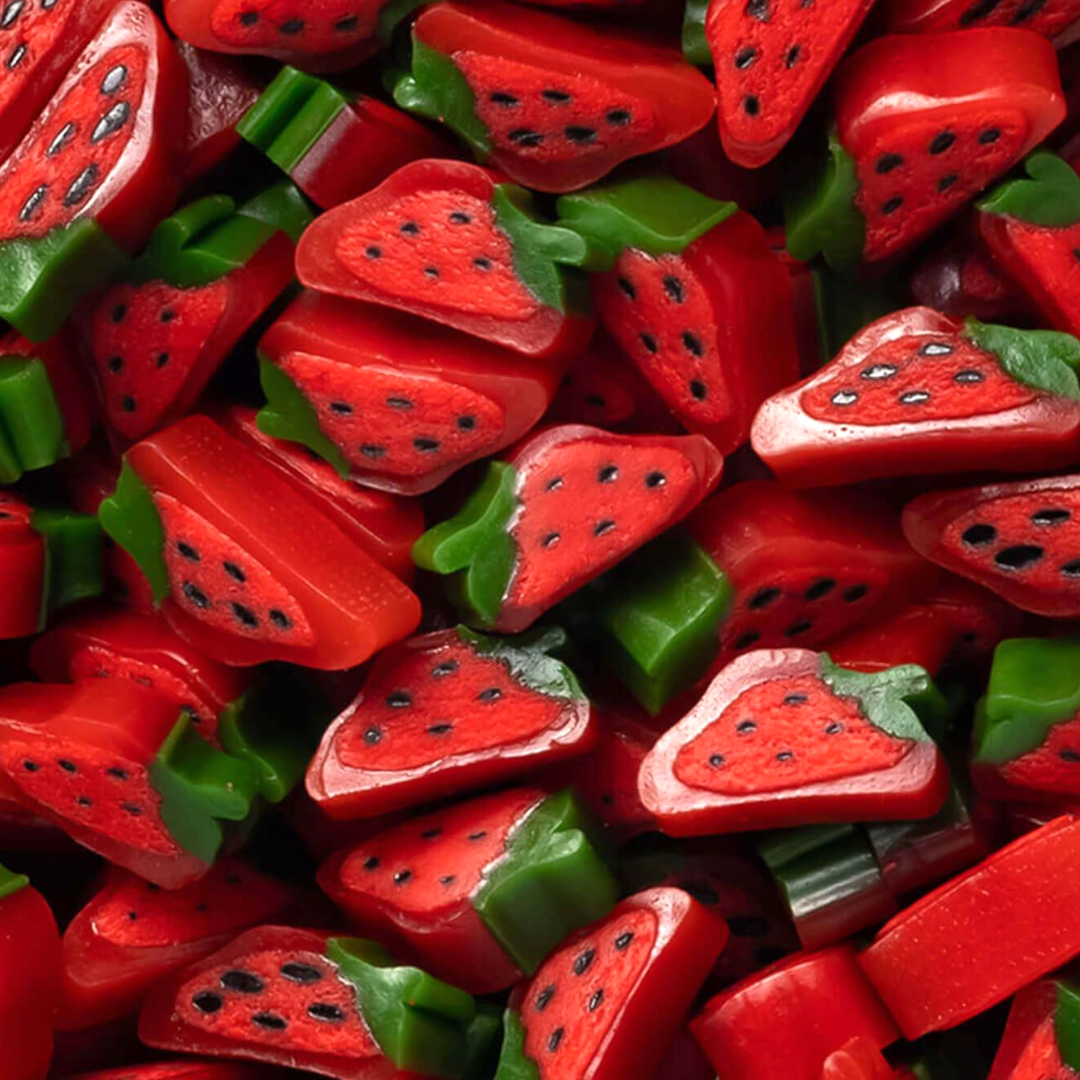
186 1069
447 712
785 737
132 934
39 42
220 91
1020 539
48 558
757 566
481 891
117 768
209 273
1051 18
192 507
825 1000
1027 727
340 1007
971 943
386 526
388 399
1040 1037
569 504
1032 228
327 35
94 174
335 146
30 960
771 61
694 295
912 143
919 392
46 406
605 1004
140 648
551 103
449 241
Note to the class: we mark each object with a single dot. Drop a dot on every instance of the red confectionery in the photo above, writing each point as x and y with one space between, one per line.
972 942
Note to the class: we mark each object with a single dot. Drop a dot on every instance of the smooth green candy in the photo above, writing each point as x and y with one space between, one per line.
290 116
695 45
1067 1023
74 553
32 434
659 616
822 218
1050 198
212 237
654 214
420 1023
200 788
891 699
1045 360
1034 684
551 881
11 883
475 547
514 1063
42 280
131 519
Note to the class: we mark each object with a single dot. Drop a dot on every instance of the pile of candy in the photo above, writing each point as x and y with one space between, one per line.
537 540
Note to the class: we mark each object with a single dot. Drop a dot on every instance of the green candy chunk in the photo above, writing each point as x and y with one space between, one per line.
695 45
475 546
551 882
890 699
130 518
290 117
200 787
1045 360
1050 198
275 727
529 659
436 88
659 617
32 432
42 280
1034 684
822 218
74 553
11 883
1067 1024
420 1023
514 1063
654 214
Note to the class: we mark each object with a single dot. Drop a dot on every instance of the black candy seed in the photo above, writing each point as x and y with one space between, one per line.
448 880
499 97
1050 516
244 616
887 162
890 206
399 699
941 142
602 528
990 135
834 728
555 1038
1071 569
11 13
751 105
821 587
525 137
195 595
440 729
655 480
242 982
341 408
557 97
322 1010
550 540
111 122
607 474
431 834
968 377
292 26
127 403
596 1000
716 760
474 836
15 59
280 619
796 699
977 11
269 1021
1068 755
62 138
855 593
425 445
466 423
844 397
792 57
582 962
757 9
114 78
459 217
544 998
947 182
692 344
674 288
371 862
132 809
744 641
447 667
580 135
763 598
248 18
35 199
936 348
745 57
799 626
745 727
618 117
116 774
785 755
481 263
698 390
649 342
492 693
978 535
347 24
234 571
81 186
627 288
402 877
373 735
206 1001
31 766
82 800
67 766
1018 557
622 942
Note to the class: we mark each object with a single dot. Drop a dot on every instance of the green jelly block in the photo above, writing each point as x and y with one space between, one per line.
200 787
290 117
420 1023
1050 198
654 214
659 617
42 280
822 218
1067 1024
475 547
551 882
130 518
11 883
514 1063
1034 684
695 45
289 415
74 553
32 432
